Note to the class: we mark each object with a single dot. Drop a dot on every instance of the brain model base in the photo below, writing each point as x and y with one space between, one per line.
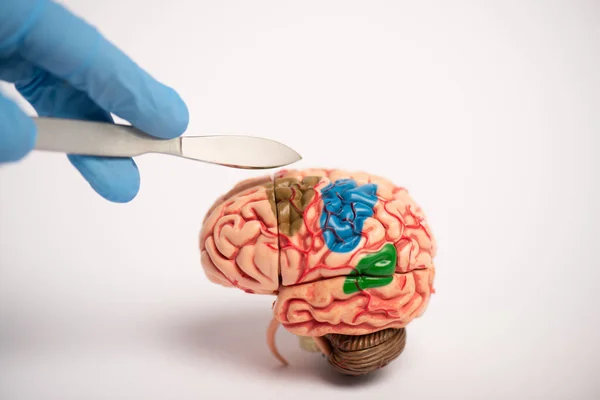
348 255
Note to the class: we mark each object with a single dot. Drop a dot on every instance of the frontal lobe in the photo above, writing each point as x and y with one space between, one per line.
238 240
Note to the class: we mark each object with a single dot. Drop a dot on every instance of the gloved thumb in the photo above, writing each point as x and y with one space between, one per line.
18 132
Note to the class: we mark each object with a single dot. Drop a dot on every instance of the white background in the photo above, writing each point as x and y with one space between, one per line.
493 108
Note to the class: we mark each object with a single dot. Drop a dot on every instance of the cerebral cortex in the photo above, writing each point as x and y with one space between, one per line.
344 252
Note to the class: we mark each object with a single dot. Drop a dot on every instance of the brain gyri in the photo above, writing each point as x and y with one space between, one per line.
345 253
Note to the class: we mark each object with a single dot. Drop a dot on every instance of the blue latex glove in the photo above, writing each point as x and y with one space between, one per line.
65 68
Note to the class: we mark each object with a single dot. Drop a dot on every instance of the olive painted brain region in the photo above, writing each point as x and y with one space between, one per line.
348 255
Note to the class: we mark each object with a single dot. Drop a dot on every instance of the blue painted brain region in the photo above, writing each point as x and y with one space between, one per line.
346 206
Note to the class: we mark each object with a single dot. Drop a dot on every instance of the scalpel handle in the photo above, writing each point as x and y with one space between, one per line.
98 139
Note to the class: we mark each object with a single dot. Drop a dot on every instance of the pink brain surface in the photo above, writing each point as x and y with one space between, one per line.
239 239
345 252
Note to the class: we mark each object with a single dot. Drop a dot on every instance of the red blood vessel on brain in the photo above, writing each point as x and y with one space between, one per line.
348 255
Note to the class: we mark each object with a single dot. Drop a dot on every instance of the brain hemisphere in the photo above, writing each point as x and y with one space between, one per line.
346 252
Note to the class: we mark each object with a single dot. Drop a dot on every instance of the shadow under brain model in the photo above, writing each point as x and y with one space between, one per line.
349 256
236 339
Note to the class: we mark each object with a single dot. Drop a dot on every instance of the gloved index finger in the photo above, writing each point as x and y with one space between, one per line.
63 44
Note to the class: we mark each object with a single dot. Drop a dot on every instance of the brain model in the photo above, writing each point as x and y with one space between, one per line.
348 255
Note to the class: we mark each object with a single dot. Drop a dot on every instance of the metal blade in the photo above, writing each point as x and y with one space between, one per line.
247 152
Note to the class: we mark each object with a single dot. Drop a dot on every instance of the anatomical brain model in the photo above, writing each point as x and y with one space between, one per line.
348 255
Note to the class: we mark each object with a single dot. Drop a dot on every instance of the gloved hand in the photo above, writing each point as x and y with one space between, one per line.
64 68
